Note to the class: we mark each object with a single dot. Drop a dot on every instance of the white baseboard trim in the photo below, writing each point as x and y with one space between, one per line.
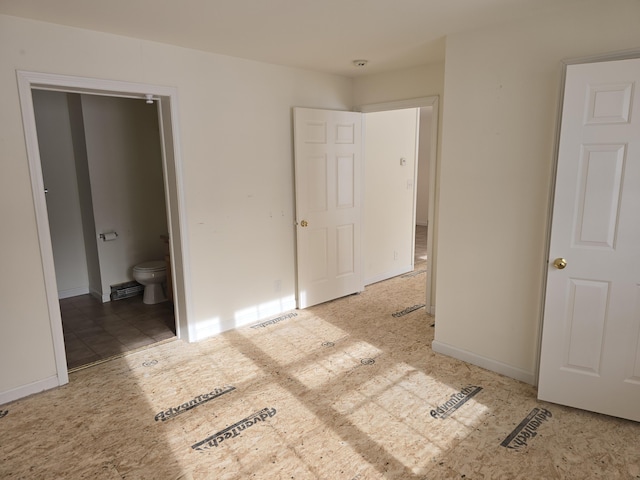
387 275
432 310
72 292
97 294
484 362
29 389
215 326
210 328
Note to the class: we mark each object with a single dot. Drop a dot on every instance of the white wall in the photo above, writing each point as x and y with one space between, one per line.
416 82
235 131
424 158
389 196
502 90
63 200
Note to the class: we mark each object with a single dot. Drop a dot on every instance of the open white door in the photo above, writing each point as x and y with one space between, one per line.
328 163
591 335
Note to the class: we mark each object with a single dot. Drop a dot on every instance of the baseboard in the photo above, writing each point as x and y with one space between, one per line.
205 329
388 275
72 292
29 389
484 362
210 328
97 294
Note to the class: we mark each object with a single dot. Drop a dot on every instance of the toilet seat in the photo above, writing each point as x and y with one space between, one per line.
153 266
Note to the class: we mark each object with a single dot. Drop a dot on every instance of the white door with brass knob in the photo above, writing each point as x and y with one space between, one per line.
590 357
328 163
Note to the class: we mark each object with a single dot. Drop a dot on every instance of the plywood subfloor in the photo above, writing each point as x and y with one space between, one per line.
345 390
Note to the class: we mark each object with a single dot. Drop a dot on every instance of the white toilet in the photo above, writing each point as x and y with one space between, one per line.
152 275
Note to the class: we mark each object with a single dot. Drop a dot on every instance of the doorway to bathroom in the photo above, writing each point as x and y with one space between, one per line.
122 166
102 170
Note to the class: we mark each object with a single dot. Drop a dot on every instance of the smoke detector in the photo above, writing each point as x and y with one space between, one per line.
360 63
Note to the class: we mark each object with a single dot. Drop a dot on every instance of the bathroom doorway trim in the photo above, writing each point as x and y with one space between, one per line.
167 100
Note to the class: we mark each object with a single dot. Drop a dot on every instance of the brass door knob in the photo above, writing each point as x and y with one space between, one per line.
559 263
304 223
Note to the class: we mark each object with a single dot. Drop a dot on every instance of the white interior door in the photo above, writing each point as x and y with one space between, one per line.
591 336
328 163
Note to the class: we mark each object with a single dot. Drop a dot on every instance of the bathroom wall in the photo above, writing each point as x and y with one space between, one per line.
125 170
63 201
84 191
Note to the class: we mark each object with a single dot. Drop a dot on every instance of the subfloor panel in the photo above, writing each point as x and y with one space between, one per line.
345 390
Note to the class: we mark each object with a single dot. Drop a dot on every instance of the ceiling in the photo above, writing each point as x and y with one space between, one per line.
322 35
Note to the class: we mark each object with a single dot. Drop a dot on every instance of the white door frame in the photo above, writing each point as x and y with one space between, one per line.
623 55
431 101
167 97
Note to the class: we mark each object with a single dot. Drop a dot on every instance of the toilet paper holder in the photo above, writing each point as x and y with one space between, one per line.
106 237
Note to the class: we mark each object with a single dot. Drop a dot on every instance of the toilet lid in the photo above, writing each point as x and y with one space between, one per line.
152 266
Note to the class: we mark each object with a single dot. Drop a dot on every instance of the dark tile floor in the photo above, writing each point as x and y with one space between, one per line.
96 331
